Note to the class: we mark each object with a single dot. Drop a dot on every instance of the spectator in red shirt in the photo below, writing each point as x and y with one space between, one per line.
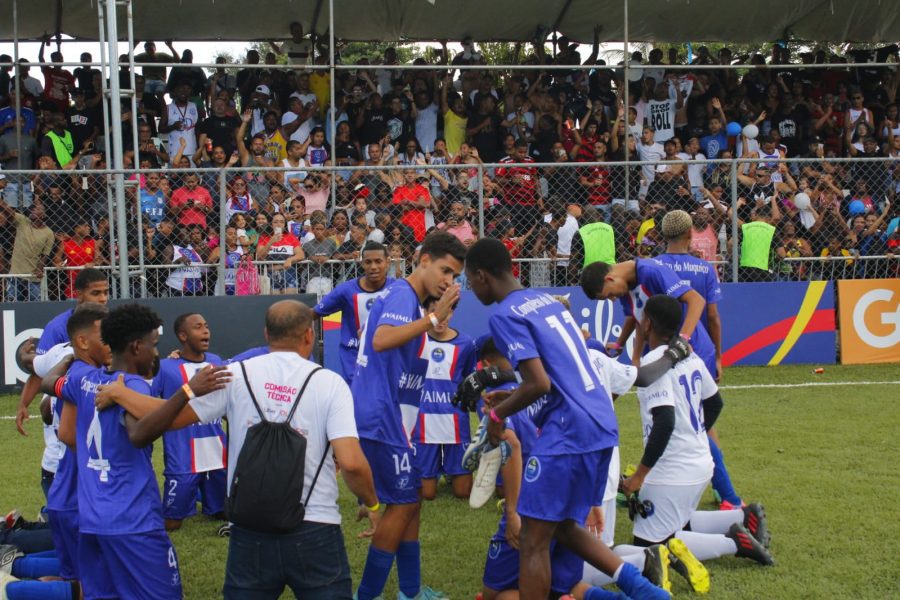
58 83
595 180
520 189
415 200
78 250
191 203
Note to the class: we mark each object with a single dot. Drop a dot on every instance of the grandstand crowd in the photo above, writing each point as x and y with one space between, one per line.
465 143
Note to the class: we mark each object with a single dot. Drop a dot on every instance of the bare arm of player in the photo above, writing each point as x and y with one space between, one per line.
358 476
715 332
388 337
535 383
29 391
47 385
627 329
695 305
512 484
66 431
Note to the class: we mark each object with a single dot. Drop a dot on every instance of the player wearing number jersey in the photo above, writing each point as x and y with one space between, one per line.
566 473
195 455
354 299
123 549
442 432
387 355
676 466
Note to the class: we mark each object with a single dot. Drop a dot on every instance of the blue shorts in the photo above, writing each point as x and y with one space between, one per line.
284 278
136 566
501 569
563 486
181 492
397 479
64 527
434 459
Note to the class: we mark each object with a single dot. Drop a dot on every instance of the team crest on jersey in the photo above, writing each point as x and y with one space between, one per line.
494 549
369 303
437 355
402 483
532 469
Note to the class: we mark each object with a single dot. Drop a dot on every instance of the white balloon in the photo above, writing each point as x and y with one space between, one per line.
802 201
751 131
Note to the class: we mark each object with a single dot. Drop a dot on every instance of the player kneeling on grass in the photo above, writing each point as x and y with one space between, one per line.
442 431
676 466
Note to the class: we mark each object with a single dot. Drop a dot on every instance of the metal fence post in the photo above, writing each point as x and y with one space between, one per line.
223 223
734 221
480 200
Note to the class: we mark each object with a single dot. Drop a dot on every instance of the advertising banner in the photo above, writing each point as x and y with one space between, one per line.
870 320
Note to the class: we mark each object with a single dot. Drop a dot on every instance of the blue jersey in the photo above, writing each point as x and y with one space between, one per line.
153 206
656 277
576 415
54 332
117 489
252 352
63 494
354 303
197 448
381 378
699 274
447 364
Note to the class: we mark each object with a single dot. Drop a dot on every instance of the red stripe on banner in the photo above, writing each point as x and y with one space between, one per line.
331 322
821 321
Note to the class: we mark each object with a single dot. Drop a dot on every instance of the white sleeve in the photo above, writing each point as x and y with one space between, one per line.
658 393
340 420
44 362
621 376
708 386
214 405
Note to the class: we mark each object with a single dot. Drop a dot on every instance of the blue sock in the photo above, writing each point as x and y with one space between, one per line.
409 568
39 590
375 574
637 586
44 554
597 593
721 481
31 567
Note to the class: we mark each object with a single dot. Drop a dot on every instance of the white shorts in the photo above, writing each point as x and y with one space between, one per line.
609 522
672 509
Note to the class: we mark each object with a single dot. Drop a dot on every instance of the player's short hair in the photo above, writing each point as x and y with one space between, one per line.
179 322
84 316
664 313
88 276
489 349
439 244
373 247
489 255
287 319
593 277
126 324
675 224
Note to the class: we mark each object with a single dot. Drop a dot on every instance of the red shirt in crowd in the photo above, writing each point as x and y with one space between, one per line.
414 216
191 199
58 84
597 194
78 255
520 186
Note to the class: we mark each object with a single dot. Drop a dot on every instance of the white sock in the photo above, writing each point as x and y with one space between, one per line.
715 521
707 545
609 527
598 578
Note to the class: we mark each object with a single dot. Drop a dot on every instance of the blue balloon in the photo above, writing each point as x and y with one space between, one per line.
733 128
857 208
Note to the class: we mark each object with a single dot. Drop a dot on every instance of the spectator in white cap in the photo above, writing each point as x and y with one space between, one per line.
261 102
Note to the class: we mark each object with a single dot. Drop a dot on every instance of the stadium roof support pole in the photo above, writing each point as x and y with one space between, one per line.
136 150
118 162
626 84
104 89
20 184
313 36
734 220
332 109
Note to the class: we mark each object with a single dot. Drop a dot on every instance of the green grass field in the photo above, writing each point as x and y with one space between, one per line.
824 461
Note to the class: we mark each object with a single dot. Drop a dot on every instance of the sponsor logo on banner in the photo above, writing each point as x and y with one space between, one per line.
870 320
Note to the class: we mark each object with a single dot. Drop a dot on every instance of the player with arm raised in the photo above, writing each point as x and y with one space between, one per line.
676 466
566 473
388 356
354 299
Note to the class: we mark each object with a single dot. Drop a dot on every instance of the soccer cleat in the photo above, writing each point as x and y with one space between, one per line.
224 530
756 523
726 505
485 479
748 546
501 505
425 593
638 587
656 566
686 564
5 580
479 444
14 520
8 555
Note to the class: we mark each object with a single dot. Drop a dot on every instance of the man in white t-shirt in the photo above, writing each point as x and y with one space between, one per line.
694 171
661 109
649 150
426 121
312 560
299 50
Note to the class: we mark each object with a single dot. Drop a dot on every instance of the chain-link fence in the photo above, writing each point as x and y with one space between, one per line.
241 230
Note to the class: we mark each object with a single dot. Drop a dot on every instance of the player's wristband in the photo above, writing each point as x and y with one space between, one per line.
188 392
494 417
434 320
686 338
615 345
374 508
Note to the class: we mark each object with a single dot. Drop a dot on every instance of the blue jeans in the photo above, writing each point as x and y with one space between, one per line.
23 290
312 562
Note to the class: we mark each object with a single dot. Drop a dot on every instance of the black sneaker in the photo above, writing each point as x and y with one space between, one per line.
756 524
224 530
656 566
748 546
8 554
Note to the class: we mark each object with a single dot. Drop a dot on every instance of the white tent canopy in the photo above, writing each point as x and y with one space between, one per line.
484 20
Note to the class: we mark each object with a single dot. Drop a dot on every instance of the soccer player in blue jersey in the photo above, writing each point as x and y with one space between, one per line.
566 473
442 430
354 299
388 352
123 549
195 455
677 227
